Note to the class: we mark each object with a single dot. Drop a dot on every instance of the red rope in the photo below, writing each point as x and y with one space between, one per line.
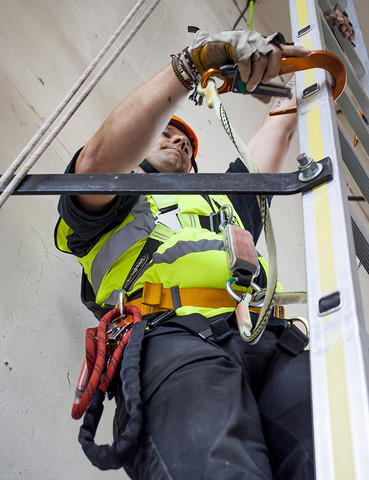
96 355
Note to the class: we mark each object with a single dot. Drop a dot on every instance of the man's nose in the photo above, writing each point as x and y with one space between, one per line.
181 141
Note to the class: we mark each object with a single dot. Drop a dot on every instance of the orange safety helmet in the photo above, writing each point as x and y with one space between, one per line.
187 130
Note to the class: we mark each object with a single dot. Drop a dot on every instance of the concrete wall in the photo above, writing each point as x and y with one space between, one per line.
45 46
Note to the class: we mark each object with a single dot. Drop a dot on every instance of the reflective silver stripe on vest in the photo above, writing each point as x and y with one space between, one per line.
183 247
139 228
180 249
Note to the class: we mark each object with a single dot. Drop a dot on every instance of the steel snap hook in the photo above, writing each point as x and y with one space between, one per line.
226 216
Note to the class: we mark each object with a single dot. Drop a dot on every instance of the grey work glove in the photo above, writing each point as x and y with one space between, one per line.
213 51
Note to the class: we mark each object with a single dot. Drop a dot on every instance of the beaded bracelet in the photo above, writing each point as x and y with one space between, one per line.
194 72
181 73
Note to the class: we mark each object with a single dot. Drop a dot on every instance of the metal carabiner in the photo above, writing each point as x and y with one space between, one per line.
258 303
121 302
226 216
230 292
234 295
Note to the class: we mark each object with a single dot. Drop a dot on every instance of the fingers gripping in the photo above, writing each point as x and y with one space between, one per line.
258 58
212 51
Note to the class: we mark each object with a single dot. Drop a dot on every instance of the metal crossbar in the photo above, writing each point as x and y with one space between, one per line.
165 183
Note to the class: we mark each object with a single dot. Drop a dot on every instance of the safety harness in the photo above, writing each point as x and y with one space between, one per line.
168 221
106 343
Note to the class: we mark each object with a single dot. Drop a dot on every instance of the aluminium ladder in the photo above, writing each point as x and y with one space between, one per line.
338 334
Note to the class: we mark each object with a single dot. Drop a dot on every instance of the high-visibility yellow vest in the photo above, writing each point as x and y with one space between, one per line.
188 255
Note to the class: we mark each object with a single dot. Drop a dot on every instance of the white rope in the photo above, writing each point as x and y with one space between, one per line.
33 159
213 101
37 137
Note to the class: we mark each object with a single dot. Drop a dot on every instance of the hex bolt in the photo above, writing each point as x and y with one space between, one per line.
308 168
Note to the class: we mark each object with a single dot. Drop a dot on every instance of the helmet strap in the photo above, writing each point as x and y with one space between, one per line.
147 167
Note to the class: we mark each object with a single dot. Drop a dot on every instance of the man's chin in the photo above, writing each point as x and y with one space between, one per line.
171 162
172 167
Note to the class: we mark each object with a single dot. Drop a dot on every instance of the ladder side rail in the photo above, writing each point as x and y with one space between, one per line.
339 342
354 164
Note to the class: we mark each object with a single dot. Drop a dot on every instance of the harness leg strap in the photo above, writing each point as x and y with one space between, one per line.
293 340
219 331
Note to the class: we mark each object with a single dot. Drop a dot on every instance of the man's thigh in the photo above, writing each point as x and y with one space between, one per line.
202 420
285 408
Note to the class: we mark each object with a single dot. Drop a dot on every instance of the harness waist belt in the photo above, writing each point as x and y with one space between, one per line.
155 298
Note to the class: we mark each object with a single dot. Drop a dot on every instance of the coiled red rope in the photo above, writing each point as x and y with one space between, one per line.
96 357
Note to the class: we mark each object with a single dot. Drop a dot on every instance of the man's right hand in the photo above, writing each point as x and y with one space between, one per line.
344 25
258 58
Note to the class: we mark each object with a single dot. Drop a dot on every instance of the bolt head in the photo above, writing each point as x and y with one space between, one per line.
303 160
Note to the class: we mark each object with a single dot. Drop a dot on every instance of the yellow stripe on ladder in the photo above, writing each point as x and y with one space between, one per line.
334 354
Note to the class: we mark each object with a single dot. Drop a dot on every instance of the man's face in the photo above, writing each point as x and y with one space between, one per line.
172 152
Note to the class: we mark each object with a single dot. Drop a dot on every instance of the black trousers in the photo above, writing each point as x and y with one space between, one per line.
222 411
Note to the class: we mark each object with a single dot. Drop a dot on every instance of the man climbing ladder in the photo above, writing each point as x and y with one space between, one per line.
213 405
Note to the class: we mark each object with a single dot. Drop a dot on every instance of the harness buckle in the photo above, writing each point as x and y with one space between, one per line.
170 219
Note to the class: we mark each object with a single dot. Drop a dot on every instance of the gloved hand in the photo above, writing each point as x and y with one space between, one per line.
258 58
213 51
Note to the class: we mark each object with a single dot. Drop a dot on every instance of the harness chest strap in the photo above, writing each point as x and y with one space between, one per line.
155 298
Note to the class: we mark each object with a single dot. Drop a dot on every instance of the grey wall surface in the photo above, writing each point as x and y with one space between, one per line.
45 45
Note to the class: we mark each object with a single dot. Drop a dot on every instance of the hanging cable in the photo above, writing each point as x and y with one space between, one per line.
33 159
243 13
251 7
